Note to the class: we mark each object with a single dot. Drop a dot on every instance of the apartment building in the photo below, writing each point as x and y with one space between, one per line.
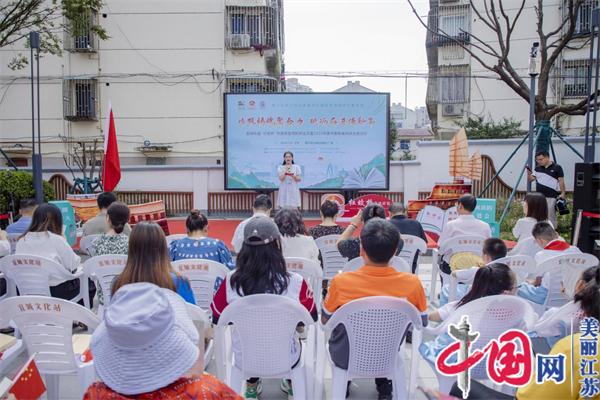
459 87
164 68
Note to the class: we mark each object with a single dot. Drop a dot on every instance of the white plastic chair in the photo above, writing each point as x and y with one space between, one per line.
527 247
333 261
175 236
490 316
103 270
562 271
311 271
13 238
522 265
202 275
201 317
464 276
562 321
375 327
412 244
86 244
398 263
458 244
33 275
46 324
265 326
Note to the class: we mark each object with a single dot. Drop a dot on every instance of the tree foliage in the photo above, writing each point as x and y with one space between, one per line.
17 185
495 55
479 128
19 17
393 137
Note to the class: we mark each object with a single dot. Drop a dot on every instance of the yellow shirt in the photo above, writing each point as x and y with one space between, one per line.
551 390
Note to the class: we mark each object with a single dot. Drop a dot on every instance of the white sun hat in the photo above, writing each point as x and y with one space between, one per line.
146 341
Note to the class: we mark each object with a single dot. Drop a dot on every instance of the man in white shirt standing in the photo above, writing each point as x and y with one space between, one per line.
262 206
465 224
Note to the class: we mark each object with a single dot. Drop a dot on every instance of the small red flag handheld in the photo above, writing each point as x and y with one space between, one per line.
28 383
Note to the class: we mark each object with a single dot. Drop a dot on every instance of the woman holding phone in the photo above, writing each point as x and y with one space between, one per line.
289 178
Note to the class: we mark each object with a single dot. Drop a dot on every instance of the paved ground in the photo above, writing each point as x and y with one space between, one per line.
360 389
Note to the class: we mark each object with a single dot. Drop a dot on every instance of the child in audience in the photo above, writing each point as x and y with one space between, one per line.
294 241
147 348
493 249
379 240
490 280
148 261
552 245
44 238
261 268
198 244
328 211
115 241
349 246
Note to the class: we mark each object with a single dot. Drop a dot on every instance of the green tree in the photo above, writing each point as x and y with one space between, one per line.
478 128
19 17
17 185
393 137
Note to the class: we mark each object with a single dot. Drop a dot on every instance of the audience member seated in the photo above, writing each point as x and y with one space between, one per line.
464 224
490 280
328 211
349 246
493 249
99 224
198 244
44 238
553 245
262 206
406 226
535 208
148 348
148 261
586 299
261 268
114 241
26 209
4 244
379 240
294 242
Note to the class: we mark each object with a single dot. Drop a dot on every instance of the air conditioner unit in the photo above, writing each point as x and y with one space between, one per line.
238 41
452 110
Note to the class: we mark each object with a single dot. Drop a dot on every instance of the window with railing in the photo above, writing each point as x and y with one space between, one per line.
80 100
575 78
79 35
252 26
252 85
583 25
453 84
404 144
452 24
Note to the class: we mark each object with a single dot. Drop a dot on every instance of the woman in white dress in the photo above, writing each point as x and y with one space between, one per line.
289 178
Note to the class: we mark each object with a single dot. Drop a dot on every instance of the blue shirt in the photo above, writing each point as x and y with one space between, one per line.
183 288
204 248
20 226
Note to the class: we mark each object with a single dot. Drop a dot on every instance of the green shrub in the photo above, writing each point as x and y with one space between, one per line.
19 185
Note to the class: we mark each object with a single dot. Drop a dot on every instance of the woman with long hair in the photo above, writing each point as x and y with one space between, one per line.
535 208
261 268
289 177
490 280
148 261
44 238
294 241
198 244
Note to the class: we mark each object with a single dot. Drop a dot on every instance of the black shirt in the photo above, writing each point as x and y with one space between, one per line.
547 180
407 226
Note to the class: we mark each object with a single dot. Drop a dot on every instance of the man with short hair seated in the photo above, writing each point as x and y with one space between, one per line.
262 206
147 348
379 241
406 226
26 209
99 225
552 245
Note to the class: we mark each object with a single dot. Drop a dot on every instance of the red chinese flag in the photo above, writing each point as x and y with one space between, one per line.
111 167
28 383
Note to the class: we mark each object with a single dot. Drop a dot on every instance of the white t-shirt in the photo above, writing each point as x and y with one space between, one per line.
49 245
300 246
238 236
524 226
462 225
447 309
544 255
4 248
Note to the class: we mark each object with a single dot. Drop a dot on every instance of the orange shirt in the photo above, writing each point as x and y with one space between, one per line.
374 281
204 387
